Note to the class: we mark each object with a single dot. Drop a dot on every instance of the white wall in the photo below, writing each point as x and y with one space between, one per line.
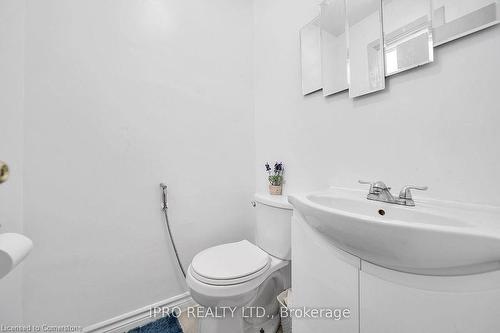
435 126
11 145
121 95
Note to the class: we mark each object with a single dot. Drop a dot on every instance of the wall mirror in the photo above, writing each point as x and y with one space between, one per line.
333 47
310 56
407 34
365 48
452 19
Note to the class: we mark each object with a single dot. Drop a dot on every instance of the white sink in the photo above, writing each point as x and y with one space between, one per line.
432 238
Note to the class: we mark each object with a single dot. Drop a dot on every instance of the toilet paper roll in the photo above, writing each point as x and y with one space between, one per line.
13 249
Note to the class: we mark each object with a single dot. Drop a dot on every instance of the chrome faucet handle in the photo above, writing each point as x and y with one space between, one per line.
365 182
405 192
375 187
381 186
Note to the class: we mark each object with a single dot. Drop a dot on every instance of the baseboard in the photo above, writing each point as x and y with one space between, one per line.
139 317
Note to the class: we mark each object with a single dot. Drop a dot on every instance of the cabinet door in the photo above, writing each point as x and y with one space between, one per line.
395 302
322 277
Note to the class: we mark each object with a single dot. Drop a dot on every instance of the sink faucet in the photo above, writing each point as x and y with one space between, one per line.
380 192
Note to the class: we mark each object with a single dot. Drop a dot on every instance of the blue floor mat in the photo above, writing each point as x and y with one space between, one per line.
163 325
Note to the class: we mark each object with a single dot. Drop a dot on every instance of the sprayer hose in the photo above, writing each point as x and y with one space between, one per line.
167 223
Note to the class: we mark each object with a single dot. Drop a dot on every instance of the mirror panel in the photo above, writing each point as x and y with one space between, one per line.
452 19
333 47
407 34
310 56
365 49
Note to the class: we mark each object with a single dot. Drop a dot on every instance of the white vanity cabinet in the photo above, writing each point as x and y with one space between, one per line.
395 302
383 300
322 277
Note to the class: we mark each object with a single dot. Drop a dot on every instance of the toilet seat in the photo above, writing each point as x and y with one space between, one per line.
230 264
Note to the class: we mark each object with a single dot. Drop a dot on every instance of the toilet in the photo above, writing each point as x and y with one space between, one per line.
237 283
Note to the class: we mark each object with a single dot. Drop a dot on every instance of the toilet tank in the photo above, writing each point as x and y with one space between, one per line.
273 225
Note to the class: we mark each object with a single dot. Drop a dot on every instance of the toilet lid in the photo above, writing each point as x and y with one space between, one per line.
234 262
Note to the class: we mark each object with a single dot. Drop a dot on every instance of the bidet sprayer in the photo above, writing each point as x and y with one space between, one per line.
164 204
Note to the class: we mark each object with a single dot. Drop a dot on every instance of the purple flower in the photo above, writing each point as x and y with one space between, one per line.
275 174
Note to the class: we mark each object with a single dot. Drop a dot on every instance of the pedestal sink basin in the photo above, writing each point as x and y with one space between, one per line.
432 238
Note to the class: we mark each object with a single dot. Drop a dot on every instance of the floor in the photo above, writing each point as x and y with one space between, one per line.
190 325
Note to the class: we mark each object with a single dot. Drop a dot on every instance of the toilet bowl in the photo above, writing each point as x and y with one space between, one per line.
237 283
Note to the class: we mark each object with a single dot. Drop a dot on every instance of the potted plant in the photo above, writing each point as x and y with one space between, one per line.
275 178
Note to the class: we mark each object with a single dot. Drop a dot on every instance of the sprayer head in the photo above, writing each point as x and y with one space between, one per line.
164 204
